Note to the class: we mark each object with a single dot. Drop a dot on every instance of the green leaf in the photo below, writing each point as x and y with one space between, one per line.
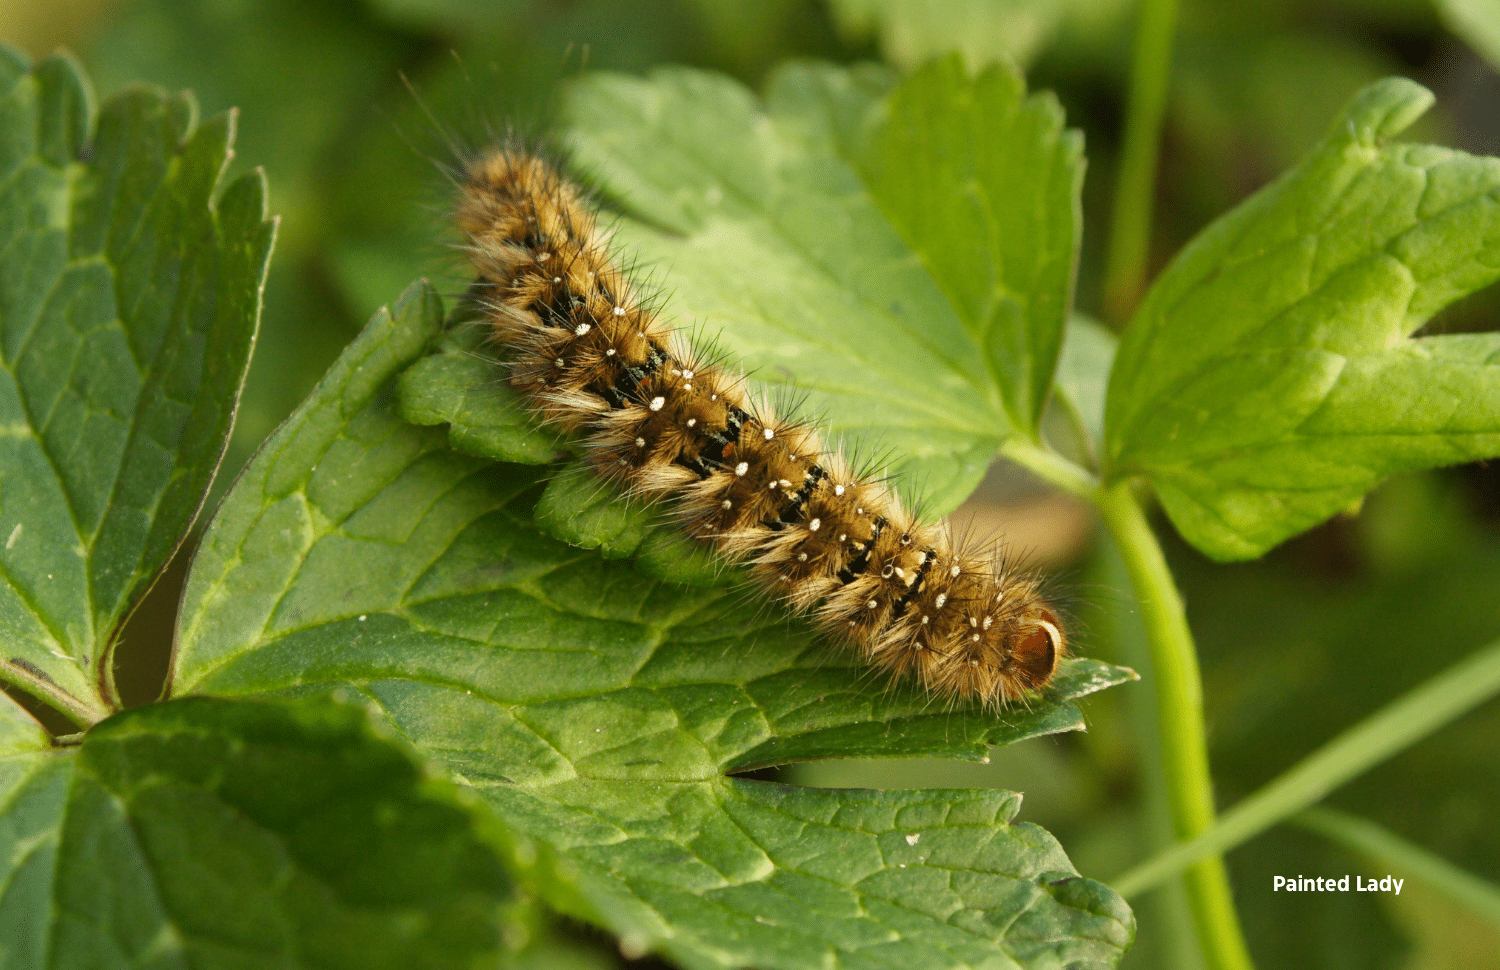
1083 375
598 711
1266 381
1476 21
984 31
219 834
459 384
984 185
129 293
793 238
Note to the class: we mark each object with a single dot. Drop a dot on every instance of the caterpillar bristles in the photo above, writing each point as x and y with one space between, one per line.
588 354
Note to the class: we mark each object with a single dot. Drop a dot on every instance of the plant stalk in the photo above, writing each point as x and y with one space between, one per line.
1135 190
1179 705
1401 723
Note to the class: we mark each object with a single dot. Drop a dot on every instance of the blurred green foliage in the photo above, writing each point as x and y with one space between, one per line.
1296 646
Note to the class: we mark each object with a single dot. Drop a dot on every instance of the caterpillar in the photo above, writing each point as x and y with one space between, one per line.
588 355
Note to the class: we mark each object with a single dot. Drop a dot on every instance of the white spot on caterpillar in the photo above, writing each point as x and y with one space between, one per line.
838 490
640 442
843 536
785 483
859 511
687 387
726 504
544 257
802 557
687 374
713 397
989 621
973 621
559 362
692 422
620 312
581 329
954 571
815 525
900 573
941 599
610 352
925 621
656 403
557 279
975 638
769 434
741 468
871 605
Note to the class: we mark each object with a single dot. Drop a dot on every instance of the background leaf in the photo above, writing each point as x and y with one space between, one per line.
129 293
911 32
1476 21
1266 382
597 710
223 834
1088 354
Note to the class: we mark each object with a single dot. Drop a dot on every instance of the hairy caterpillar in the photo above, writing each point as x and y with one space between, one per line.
587 354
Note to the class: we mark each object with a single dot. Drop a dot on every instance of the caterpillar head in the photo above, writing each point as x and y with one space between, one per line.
1036 647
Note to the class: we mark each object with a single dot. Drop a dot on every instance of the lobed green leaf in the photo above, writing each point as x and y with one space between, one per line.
1267 380
598 711
129 294
794 238
984 185
219 834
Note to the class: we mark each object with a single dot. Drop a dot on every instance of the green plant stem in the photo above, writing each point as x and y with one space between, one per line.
1394 727
1130 229
1169 910
1179 705
1388 850
1052 467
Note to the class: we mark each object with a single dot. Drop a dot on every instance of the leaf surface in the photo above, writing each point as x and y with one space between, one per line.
913 31
984 185
1476 21
597 710
220 834
788 233
1268 381
129 293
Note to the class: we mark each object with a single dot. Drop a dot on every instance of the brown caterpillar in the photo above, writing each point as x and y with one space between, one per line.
586 354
